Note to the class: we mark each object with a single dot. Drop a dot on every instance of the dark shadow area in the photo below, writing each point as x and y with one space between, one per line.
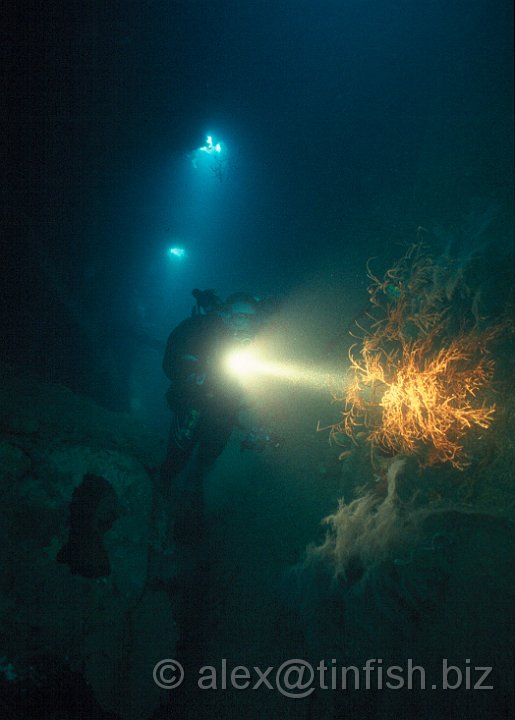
93 509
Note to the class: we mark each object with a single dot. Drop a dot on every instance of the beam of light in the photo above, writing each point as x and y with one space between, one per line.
246 364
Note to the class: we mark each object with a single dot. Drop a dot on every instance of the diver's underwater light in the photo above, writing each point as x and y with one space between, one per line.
242 363
210 147
177 252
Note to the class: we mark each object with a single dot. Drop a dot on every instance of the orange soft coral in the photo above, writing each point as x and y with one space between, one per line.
419 386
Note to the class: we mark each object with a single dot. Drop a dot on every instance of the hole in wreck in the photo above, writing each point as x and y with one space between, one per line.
93 510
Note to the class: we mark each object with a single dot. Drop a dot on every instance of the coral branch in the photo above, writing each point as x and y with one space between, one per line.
419 386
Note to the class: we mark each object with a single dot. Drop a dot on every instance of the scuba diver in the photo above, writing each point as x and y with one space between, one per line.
204 401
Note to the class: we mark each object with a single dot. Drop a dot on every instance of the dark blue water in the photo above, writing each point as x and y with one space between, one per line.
340 132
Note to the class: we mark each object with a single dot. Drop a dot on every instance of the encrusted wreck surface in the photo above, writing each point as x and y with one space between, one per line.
79 544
